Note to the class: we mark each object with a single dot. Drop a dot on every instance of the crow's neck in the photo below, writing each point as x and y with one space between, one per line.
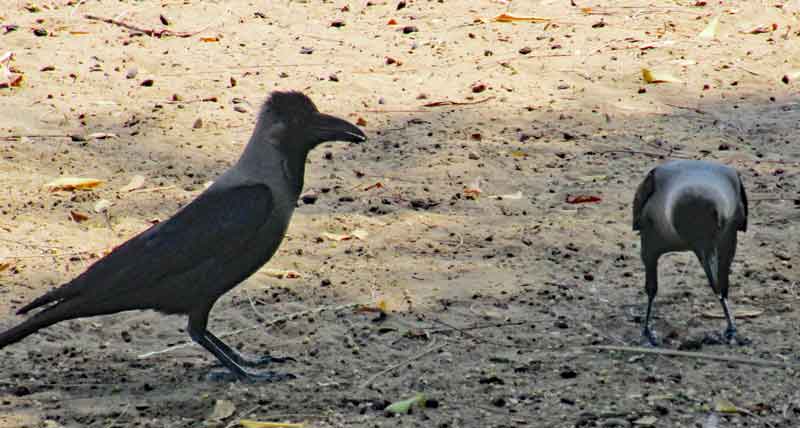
262 159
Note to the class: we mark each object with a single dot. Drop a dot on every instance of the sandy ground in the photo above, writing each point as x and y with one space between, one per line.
505 294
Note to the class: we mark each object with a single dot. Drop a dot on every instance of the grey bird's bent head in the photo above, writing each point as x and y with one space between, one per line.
291 120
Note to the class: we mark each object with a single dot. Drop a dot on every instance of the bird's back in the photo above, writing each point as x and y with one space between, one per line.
691 199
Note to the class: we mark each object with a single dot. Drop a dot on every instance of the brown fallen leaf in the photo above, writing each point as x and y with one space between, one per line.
473 190
361 121
78 217
4 265
507 17
761 29
137 182
582 199
281 274
790 76
73 183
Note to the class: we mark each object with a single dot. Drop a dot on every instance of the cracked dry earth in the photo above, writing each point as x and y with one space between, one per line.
504 294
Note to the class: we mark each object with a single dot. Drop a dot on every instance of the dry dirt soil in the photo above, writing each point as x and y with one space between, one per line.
502 296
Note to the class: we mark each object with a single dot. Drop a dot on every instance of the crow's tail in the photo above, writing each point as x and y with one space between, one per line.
33 324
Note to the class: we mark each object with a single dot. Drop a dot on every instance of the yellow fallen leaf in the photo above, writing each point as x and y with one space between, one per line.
658 77
73 183
519 154
723 405
222 409
711 29
507 17
247 423
137 182
209 39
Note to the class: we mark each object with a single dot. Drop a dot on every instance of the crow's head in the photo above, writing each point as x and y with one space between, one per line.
293 120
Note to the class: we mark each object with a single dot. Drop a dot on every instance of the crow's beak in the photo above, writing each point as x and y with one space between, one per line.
710 261
331 128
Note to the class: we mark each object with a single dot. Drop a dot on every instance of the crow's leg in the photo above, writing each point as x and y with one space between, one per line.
726 253
241 359
198 321
650 260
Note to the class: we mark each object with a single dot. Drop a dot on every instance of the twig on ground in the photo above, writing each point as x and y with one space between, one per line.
694 109
640 152
673 353
456 103
433 347
151 189
150 32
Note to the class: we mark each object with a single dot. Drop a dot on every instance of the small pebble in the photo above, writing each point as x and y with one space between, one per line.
131 73
409 29
526 50
198 123
147 82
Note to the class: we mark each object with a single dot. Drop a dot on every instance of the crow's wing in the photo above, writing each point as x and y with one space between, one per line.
218 222
743 197
646 189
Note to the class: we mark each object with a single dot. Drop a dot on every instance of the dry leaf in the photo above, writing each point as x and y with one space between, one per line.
209 39
102 206
9 79
361 121
507 17
582 199
473 190
790 76
513 196
78 217
737 313
358 233
710 31
280 273
4 265
723 405
247 423
404 406
73 183
137 182
79 33
381 306
646 421
761 29
6 57
101 135
223 409
658 77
